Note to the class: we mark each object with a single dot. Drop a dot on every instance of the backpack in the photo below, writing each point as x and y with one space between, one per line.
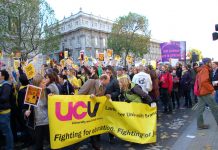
196 86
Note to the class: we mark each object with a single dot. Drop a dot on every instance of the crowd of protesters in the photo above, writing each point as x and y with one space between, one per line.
170 87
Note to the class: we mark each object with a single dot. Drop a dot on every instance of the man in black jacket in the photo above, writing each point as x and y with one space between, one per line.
113 91
5 95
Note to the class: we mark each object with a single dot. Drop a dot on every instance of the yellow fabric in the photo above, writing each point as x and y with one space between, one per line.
73 118
74 81
123 76
5 112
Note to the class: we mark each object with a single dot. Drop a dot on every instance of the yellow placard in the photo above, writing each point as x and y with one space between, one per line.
129 59
143 61
30 71
75 118
65 54
109 52
33 94
101 56
117 57
153 64
16 64
86 58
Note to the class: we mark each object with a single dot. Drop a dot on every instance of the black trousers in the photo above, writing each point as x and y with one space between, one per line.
166 100
175 98
41 133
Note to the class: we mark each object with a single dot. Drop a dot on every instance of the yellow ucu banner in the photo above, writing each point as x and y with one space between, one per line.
75 118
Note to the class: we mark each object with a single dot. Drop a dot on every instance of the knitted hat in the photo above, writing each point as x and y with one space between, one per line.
206 60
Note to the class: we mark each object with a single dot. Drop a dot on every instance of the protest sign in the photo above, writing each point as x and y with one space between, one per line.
173 49
75 118
33 94
16 64
30 71
65 54
101 56
153 63
109 52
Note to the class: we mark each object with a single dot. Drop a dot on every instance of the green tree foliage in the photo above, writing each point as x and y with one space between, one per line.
196 51
28 26
130 34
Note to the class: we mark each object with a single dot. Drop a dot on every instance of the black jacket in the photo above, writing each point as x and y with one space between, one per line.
67 88
5 96
186 81
138 91
113 89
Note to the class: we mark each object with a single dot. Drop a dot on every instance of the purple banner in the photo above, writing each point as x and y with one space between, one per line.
173 49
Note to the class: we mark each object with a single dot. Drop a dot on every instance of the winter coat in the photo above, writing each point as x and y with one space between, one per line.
204 80
166 81
185 81
5 96
113 89
155 85
135 94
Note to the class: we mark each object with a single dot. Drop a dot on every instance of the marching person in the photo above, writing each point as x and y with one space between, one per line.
206 93
166 84
94 88
143 79
38 116
131 92
112 91
185 83
215 79
5 95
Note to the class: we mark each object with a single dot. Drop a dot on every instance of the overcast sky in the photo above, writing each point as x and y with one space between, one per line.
192 21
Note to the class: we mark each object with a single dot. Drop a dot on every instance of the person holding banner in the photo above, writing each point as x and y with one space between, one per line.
66 85
94 88
39 114
131 92
5 111
112 91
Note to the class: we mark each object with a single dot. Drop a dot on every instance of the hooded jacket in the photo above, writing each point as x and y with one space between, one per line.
203 76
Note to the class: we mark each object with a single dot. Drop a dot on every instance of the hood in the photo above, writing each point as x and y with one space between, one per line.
202 67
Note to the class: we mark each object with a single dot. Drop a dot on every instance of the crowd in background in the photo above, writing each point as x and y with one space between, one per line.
170 87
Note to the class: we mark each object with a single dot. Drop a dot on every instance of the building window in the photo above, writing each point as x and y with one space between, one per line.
104 43
87 22
76 23
78 40
96 41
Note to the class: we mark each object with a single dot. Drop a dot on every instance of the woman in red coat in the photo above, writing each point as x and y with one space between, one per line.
166 84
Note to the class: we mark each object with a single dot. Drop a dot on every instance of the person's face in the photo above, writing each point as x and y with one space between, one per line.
135 71
119 72
210 64
163 68
43 84
109 72
214 66
183 68
92 70
61 80
47 80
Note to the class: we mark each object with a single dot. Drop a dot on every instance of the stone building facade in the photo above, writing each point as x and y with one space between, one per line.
84 32
89 33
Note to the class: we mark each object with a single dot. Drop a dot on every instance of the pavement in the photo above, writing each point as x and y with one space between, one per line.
194 139
177 131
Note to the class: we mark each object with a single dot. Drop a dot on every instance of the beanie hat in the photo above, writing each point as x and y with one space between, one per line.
206 60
